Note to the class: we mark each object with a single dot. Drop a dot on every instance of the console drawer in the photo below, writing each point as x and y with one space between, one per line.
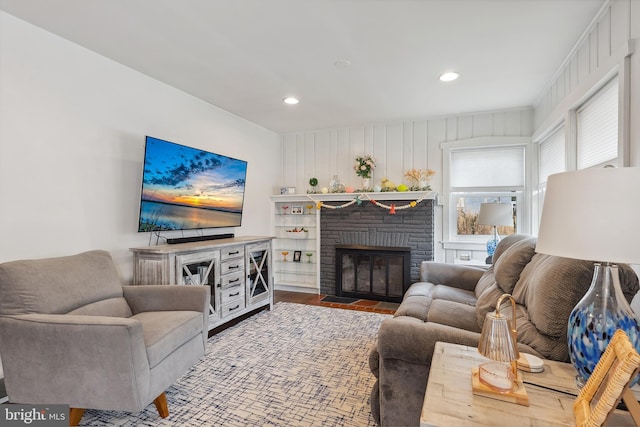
232 280
232 266
232 295
231 252
232 307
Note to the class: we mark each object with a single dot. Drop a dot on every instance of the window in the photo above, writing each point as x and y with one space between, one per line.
484 175
487 167
552 157
468 208
597 128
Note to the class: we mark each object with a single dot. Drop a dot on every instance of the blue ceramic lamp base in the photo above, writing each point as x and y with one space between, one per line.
594 320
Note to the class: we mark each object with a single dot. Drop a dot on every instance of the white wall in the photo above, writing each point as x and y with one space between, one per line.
72 128
606 48
397 147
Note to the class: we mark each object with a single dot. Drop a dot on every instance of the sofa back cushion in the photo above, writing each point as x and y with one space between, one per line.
60 285
509 266
554 288
550 287
506 243
510 258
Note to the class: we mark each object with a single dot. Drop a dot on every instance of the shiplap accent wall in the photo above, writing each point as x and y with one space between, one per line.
396 146
597 56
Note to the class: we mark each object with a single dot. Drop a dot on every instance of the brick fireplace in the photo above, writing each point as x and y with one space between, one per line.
373 226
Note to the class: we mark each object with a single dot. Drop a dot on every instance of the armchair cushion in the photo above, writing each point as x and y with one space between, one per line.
58 285
112 307
165 331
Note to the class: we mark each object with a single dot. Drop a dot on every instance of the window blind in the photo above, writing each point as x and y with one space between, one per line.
551 155
487 167
597 127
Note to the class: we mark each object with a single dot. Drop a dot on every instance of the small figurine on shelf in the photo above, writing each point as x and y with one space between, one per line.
313 182
284 208
309 254
309 207
284 255
335 186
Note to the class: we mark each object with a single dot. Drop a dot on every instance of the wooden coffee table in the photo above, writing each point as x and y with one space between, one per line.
448 400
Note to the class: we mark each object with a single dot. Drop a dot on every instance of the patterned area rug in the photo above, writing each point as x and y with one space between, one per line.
297 365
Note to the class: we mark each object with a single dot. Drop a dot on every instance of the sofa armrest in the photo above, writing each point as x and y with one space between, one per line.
458 276
84 355
412 340
145 298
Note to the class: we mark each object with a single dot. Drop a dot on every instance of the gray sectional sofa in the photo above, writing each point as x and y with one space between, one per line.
450 303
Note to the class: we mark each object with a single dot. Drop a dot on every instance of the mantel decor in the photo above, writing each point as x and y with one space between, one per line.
362 197
364 168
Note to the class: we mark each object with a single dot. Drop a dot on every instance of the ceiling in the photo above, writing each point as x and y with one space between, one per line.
245 56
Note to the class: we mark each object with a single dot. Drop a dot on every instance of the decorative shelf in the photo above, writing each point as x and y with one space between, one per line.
338 197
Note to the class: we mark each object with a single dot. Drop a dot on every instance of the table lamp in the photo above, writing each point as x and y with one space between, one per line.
498 342
592 215
495 214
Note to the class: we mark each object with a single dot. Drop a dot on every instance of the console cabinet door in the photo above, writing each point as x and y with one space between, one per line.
202 268
259 283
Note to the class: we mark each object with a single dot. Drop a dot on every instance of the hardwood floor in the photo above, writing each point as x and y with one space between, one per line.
315 299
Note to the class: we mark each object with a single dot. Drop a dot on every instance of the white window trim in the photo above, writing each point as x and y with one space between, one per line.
524 217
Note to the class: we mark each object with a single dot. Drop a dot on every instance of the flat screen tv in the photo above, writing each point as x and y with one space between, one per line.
186 188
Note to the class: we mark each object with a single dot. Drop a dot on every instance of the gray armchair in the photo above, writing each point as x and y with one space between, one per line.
71 334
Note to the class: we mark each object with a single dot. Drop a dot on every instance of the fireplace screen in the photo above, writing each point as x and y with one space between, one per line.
372 272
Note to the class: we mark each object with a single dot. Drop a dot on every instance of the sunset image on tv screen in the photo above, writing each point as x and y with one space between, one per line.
186 188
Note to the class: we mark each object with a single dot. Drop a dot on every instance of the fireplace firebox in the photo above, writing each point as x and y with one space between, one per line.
372 272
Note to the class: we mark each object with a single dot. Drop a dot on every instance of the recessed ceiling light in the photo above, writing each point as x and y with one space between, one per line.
342 64
290 100
449 77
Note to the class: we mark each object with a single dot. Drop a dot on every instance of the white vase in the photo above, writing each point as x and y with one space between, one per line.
366 183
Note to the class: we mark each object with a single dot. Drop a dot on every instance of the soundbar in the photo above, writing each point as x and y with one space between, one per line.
175 240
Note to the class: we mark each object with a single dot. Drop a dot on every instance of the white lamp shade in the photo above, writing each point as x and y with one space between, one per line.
592 214
496 214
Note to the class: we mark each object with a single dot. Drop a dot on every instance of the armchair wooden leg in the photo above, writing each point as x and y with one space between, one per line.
161 405
75 415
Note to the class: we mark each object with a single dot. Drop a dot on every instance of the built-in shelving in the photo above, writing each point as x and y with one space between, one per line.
296 230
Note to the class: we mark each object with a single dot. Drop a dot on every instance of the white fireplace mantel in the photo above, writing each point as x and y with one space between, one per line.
345 197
